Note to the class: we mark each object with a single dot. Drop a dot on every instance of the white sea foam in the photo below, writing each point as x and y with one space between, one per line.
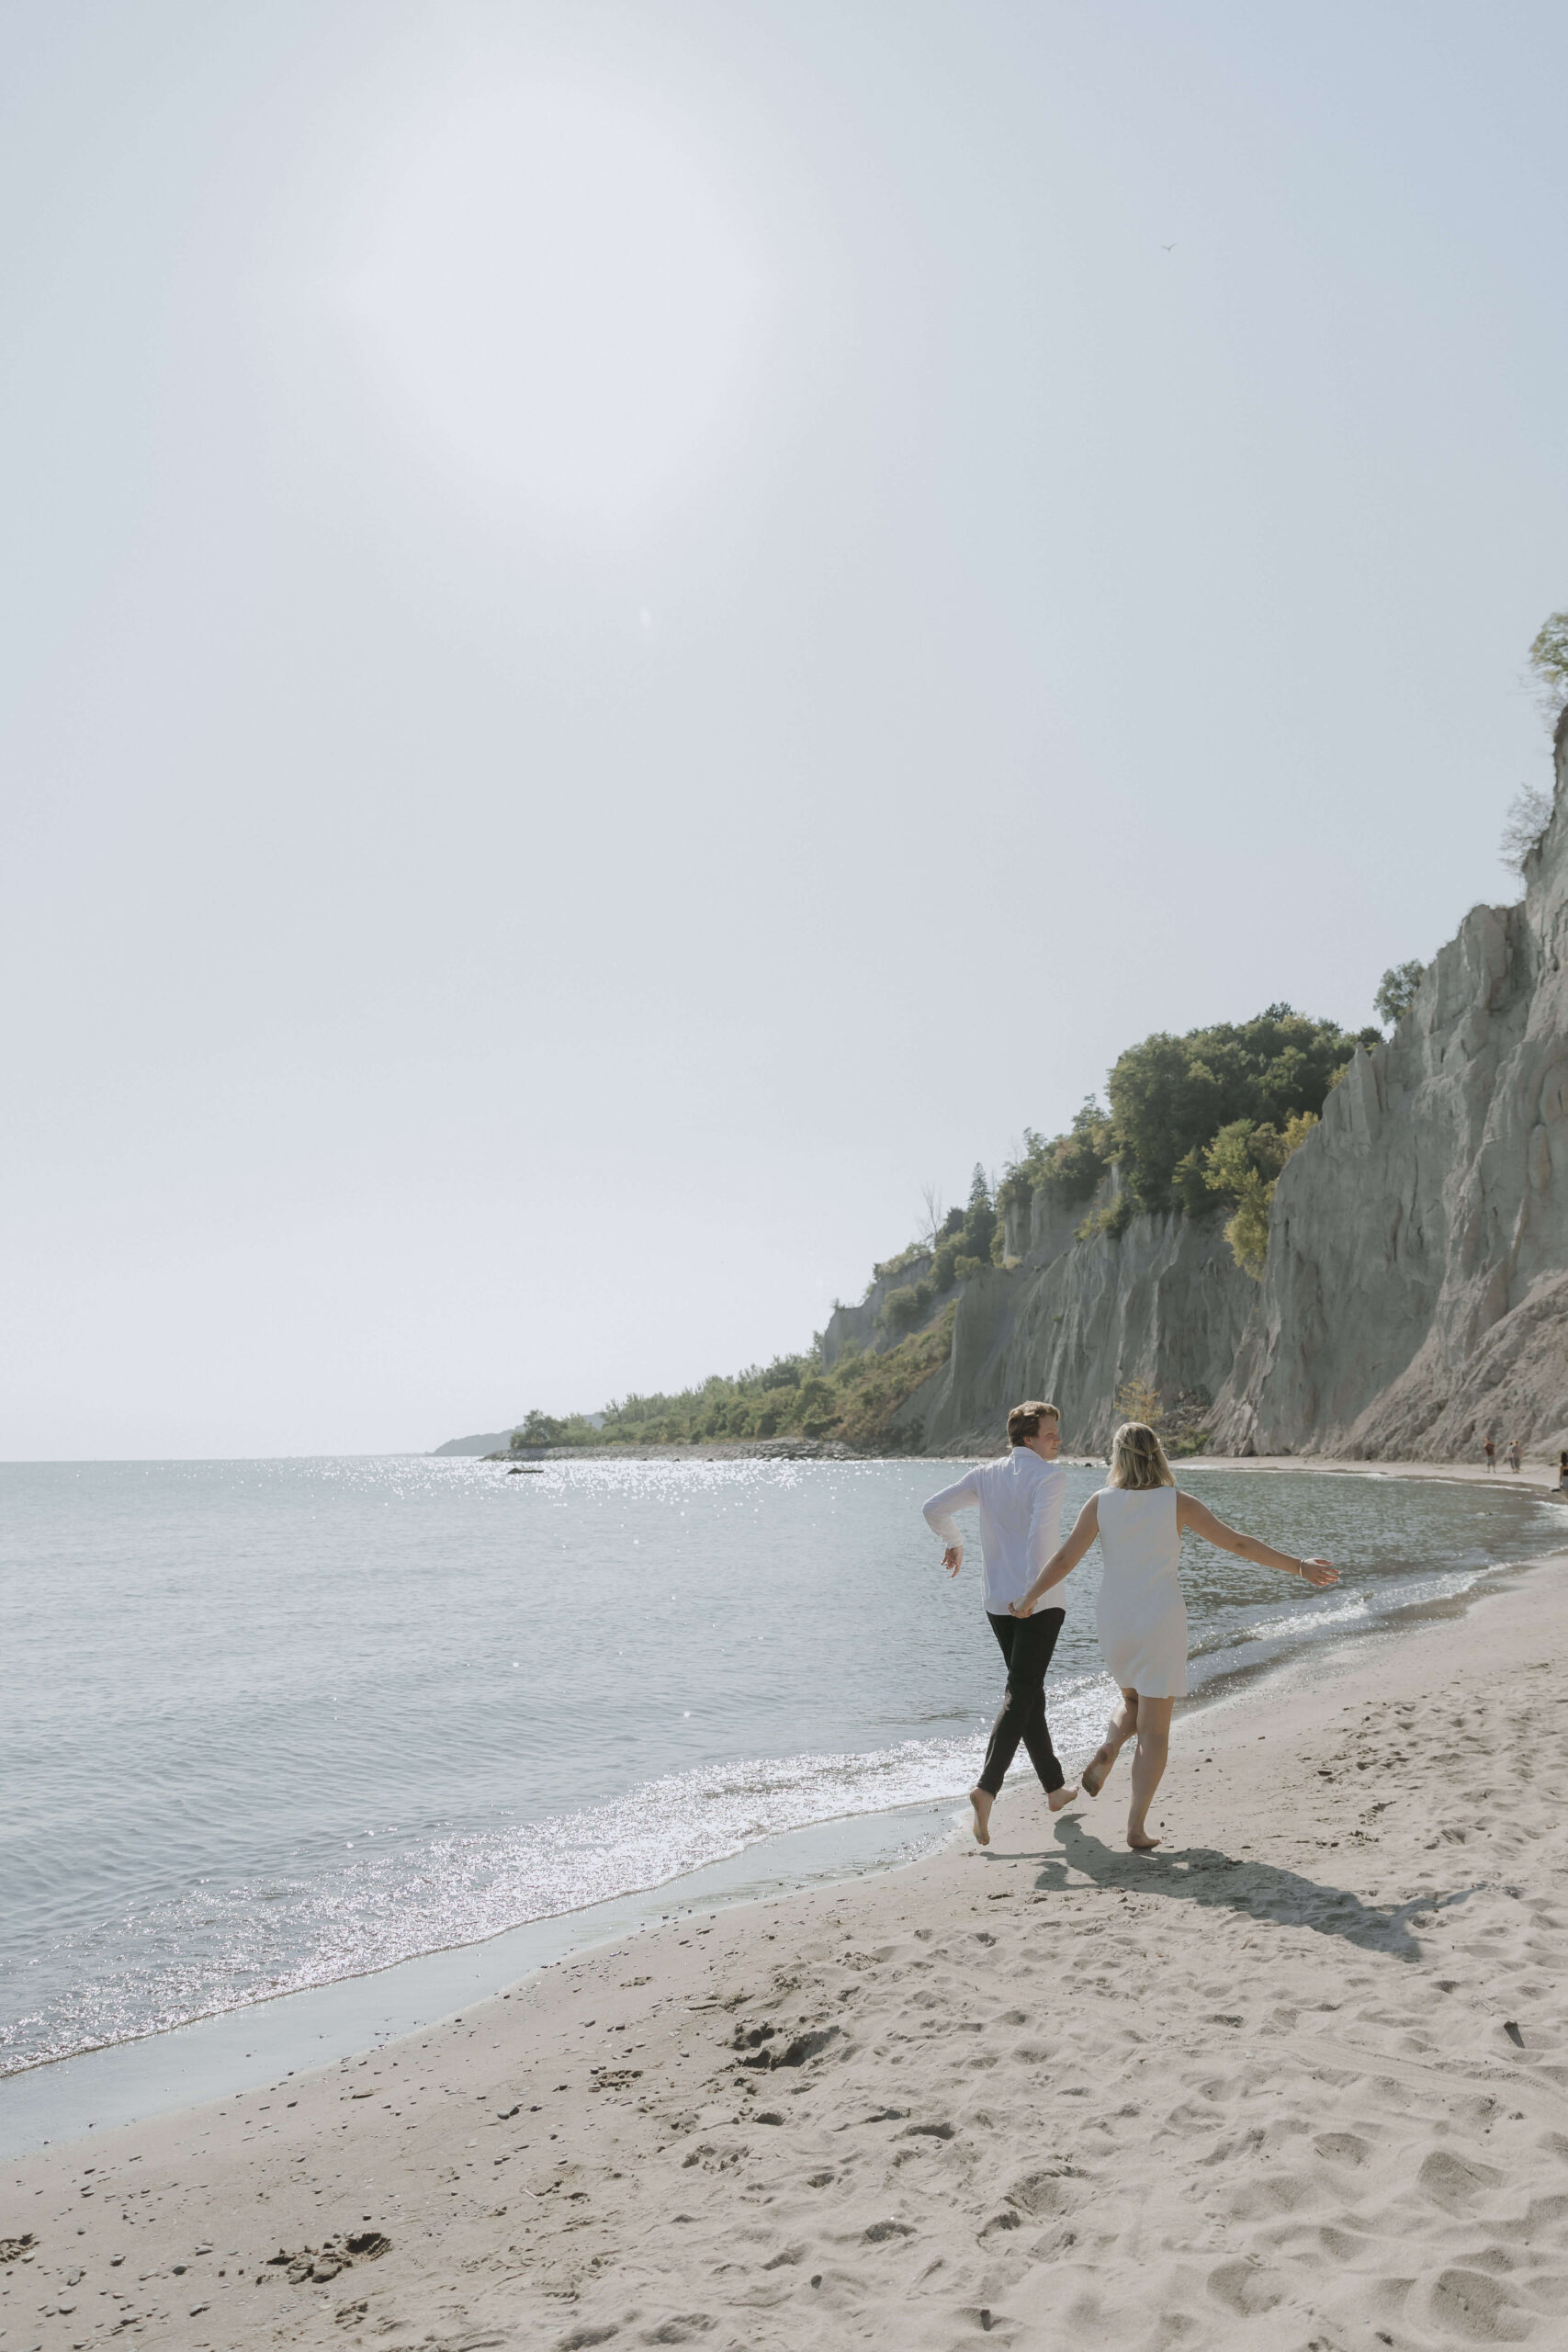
286 1722
222 1946
1309 1621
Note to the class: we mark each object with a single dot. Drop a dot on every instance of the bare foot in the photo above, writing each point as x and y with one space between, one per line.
982 1799
1096 1771
1060 1798
1141 1842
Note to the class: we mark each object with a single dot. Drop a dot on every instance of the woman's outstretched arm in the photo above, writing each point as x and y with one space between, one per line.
1191 1513
1062 1561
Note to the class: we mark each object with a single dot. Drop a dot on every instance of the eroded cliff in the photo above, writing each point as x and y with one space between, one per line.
1416 1296
1165 1305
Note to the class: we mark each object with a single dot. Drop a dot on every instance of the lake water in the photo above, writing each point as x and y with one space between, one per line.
270 1725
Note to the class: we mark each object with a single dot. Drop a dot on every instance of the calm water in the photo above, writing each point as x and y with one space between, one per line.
266 1724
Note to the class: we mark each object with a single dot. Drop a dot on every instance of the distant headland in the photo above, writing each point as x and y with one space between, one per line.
1276 1237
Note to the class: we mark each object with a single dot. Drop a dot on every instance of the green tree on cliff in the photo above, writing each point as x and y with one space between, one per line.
1171 1096
1396 992
1548 659
980 1223
1529 813
1243 1166
1065 1169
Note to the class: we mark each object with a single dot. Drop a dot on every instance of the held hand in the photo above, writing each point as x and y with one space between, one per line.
1023 1608
953 1558
1318 1572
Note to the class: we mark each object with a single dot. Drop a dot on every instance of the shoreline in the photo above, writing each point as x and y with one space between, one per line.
1532 1475
229 2051
1539 1476
1054 2091
179 2066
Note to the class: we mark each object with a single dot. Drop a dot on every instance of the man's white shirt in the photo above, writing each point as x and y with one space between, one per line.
1020 1502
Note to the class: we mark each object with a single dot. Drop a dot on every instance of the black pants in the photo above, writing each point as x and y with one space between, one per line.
1026 1643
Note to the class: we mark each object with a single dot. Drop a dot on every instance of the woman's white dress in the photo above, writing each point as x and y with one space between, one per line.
1141 1614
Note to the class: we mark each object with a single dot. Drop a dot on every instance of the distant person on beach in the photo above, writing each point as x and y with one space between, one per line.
1490 1450
1563 1473
1140 1519
1019 1503
1514 1456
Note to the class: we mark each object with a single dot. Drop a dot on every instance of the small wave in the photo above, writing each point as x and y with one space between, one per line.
1412 1591
145 1928
1309 1620
223 1947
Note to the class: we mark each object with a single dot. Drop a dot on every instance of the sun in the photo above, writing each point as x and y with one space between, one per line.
556 288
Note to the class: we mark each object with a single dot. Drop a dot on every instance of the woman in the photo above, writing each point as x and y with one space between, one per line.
1140 1519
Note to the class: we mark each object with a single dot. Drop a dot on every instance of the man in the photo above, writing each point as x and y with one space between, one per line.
1019 1503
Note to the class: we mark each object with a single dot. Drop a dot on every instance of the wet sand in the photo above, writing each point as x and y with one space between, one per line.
1258 2089
1530 1475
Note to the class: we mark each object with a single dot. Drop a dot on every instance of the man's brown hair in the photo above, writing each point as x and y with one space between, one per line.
1023 1422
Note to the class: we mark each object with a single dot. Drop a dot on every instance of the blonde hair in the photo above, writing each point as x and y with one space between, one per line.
1137 1458
1024 1420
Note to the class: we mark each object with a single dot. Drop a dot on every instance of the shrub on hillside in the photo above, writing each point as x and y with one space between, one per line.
904 1308
1112 1221
1529 813
1065 1168
912 1256
1171 1096
1136 1401
1396 992
1242 1166
1548 659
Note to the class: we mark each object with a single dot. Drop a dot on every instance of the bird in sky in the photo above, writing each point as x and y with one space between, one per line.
1167 249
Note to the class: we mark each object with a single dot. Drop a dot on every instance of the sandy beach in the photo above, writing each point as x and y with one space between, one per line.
1299 2079
1539 1473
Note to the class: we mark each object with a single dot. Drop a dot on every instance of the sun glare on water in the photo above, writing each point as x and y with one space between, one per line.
556 288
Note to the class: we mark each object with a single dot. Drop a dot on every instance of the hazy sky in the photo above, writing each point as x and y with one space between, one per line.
633 631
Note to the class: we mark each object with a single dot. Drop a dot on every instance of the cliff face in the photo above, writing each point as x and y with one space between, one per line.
863 1327
1416 1297
1166 1304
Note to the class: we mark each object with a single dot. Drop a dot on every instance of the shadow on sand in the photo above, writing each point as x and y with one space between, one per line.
1204 1875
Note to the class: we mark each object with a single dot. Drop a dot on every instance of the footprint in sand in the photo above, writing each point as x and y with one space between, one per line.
1456 2182
1045 2196
1242 2287
1472 2304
